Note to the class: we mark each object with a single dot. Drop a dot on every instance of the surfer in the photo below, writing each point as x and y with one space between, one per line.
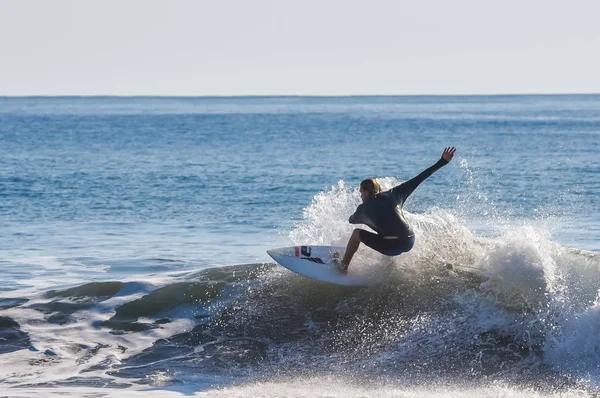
382 212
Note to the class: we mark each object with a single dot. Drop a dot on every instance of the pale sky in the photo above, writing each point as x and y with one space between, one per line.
303 47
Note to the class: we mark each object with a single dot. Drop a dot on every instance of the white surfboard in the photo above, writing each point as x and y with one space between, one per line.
316 262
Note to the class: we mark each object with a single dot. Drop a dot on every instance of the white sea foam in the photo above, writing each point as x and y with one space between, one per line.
313 387
534 289
61 351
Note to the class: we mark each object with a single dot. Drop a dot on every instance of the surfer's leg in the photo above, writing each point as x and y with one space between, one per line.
399 246
370 239
374 241
388 247
351 248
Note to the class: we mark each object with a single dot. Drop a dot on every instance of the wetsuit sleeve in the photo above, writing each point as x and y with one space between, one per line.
357 216
403 191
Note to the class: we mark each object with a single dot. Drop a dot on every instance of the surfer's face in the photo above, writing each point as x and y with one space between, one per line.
364 194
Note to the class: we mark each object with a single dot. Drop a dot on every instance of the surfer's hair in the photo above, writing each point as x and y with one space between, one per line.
371 186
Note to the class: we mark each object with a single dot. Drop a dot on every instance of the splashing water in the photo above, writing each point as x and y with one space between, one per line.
456 309
529 292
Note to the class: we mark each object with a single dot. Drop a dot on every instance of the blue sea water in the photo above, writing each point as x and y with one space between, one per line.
134 237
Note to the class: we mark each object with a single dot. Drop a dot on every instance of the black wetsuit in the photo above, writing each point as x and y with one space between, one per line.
383 214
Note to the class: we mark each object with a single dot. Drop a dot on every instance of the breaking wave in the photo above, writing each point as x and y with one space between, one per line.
459 308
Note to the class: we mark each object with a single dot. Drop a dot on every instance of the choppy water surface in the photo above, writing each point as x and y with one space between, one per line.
135 230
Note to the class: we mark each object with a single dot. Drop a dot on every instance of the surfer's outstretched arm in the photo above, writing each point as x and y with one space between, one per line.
403 191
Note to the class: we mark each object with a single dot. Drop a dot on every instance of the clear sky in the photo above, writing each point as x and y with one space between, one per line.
303 47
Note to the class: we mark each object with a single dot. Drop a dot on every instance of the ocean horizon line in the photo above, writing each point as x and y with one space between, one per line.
251 96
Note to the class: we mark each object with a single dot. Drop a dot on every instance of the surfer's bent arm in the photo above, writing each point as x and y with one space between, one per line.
357 216
403 191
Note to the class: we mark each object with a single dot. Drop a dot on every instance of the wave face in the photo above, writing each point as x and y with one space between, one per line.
125 221
458 308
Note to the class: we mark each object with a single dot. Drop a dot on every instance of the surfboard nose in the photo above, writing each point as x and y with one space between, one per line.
282 251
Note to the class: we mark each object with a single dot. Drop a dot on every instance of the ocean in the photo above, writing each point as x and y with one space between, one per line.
135 229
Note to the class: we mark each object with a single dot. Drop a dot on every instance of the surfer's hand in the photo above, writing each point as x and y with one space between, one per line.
448 153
